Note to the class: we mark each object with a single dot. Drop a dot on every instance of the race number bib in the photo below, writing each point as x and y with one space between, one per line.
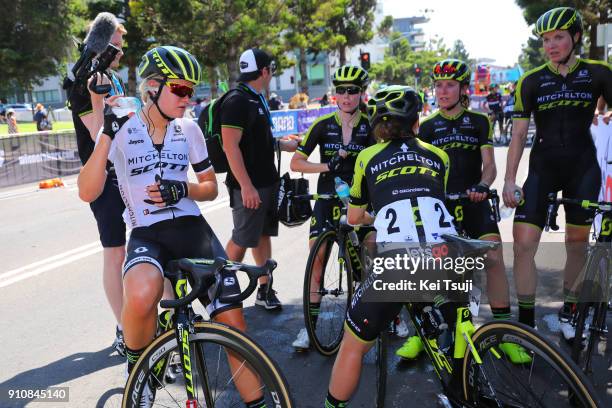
400 221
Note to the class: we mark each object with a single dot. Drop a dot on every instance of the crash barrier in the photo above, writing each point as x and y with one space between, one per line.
31 157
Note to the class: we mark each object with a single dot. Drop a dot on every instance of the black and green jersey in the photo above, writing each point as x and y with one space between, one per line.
563 107
326 132
397 170
462 137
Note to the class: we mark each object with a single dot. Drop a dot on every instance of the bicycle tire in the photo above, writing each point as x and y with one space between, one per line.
382 343
591 302
326 334
206 335
575 386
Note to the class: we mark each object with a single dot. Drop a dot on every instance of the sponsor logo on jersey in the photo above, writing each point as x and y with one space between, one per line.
564 87
115 126
135 141
178 129
466 119
545 84
180 139
583 73
261 112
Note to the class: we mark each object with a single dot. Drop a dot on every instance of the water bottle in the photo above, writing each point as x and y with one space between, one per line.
343 190
126 105
505 212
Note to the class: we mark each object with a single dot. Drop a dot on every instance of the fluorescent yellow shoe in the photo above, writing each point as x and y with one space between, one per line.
516 353
411 348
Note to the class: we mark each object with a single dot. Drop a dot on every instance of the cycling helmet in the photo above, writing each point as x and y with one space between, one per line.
396 101
560 18
493 85
350 75
451 69
170 62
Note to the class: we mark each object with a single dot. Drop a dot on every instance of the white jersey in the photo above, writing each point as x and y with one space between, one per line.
137 161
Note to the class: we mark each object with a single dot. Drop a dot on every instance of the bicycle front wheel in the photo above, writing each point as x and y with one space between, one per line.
550 379
328 288
227 369
591 311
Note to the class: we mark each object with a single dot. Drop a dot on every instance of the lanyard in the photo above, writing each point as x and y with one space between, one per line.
263 101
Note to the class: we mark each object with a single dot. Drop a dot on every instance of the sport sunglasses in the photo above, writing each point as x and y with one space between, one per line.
351 90
180 90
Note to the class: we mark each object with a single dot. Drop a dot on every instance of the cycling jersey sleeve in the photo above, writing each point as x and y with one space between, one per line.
311 139
198 154
359 190
233 112
523 105
485 136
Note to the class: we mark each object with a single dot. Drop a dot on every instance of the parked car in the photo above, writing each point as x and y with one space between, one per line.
23 111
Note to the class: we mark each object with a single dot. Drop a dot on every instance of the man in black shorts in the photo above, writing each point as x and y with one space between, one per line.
88 118
252 180
494 104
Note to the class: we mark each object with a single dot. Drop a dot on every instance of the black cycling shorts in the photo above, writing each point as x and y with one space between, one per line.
477 219
183 237
577 175
108 211
325 217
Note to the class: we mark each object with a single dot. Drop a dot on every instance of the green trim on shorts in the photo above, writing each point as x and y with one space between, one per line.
231 127
567 224
346 326
85 113
491 234
528 223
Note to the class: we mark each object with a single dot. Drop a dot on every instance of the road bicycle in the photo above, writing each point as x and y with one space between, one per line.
221 366
474 371
593 283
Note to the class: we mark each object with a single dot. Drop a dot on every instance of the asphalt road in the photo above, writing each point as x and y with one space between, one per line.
57 327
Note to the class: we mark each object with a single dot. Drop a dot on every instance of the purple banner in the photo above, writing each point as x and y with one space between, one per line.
306 117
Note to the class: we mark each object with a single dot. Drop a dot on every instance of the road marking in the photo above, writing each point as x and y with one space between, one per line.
67 257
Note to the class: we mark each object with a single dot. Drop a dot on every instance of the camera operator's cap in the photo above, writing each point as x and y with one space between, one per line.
252 61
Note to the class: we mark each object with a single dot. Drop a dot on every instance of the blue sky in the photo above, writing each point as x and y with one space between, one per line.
488 28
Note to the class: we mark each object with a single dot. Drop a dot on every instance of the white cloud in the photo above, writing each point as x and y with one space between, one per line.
489 29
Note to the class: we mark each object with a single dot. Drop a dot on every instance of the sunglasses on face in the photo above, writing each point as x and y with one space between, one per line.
180 90
351 90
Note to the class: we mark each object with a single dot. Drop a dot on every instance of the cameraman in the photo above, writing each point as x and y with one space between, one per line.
88 117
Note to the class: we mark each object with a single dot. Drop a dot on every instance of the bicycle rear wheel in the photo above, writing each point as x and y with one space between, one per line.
549 380
327 293
214 383
591 310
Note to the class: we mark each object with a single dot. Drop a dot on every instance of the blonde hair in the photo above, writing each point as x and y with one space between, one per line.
144 88
121 29
39 106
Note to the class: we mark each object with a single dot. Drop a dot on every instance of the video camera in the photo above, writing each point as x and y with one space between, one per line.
89 63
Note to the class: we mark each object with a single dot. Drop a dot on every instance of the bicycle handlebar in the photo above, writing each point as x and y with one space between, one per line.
491 195
554 203
206 273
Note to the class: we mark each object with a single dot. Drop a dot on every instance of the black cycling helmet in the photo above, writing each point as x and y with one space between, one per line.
560 18
395 101
451 69
171 63
350 75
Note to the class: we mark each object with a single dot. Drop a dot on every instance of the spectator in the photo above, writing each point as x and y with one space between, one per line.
274 102
299 101
253 178
88 118
198 108
11 121
324 100
39 114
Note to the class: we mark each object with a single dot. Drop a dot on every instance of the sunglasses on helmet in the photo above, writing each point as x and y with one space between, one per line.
351 90
446 69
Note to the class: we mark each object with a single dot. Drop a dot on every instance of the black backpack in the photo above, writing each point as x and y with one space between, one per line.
210 123
291 211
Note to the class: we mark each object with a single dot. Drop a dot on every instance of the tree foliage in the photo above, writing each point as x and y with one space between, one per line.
28 53
459 52
532 54
398 66
593 12
355 24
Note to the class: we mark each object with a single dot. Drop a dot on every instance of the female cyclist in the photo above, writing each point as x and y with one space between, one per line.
340 136
400 176
465 136
562 95
151 151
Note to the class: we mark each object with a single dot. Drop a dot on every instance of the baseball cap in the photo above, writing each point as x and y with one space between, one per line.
252 61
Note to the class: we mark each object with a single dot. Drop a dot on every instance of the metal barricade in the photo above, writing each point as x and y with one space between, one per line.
31 157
